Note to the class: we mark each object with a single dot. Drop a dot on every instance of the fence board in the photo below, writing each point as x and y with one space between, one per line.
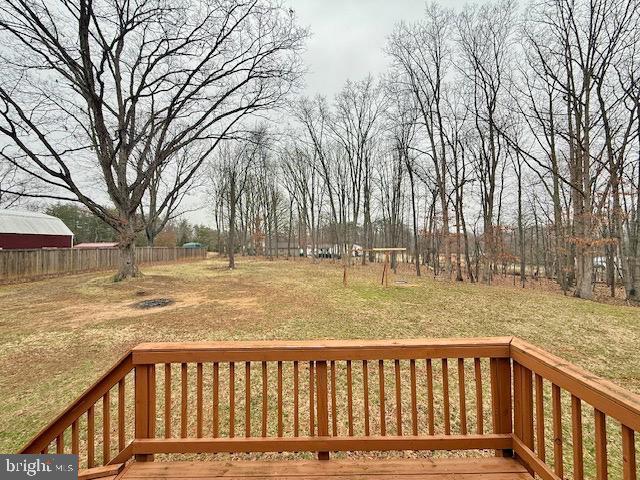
24 265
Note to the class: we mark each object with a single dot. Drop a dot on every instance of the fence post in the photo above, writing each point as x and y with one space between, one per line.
145 406
501 399
323 404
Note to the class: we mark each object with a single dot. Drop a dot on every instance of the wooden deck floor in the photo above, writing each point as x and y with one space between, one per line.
405 469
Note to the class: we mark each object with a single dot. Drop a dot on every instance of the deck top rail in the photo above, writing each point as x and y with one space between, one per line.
315 350
497 393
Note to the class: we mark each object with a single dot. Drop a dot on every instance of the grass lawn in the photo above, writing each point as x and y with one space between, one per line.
58 335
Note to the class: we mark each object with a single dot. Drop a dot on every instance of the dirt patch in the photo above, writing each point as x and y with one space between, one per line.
153 303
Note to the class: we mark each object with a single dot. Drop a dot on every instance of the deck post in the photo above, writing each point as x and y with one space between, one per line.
145 406
523 405
501 399
323 404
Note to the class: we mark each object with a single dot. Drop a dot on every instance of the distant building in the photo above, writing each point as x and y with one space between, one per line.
192 245
25 230
96 245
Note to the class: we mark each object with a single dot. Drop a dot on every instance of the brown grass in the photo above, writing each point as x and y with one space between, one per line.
58 335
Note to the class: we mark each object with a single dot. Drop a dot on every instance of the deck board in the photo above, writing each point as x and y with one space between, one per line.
343 469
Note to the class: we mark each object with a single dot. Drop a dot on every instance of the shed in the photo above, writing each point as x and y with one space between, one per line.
23 230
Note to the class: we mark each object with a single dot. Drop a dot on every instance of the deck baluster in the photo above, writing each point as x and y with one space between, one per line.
184 401
121 414
556 407
216 401
601 445
232 400
334 407
445 396
280 425
479 397
199 400
365 396
430 399
90 438
576 434
540 436
106 429
265 398
628 454
414 400
247 399
350 397
462 397
323 405
383 424
398 398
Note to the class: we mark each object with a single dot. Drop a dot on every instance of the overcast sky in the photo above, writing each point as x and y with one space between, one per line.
347 38
347 41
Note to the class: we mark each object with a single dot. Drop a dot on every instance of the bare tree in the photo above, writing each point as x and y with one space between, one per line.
422 53
164 196
233 164
355 124
402 119
484 38
577 47
95 96
13 186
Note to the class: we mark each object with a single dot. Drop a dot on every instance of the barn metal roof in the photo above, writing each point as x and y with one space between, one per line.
31 223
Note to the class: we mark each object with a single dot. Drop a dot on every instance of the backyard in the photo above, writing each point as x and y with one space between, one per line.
59 335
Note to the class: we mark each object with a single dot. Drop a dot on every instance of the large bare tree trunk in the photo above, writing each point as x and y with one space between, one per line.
127 246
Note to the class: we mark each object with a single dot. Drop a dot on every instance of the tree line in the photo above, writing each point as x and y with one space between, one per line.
88 228
503 136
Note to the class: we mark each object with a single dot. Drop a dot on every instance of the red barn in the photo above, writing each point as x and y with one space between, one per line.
21 229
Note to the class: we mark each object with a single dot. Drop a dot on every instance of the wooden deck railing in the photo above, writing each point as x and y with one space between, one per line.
610 423
499 394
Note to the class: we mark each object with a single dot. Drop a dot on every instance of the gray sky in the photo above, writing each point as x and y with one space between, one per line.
347 38
347 41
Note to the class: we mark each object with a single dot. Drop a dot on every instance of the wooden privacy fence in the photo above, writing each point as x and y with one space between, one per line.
16 265
332 396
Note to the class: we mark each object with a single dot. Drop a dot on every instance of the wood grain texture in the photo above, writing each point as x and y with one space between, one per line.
106 429
576 434
430 397
540 430
477 367
414 401
319 444
556 409
184 400
445 396
199 400
398 397
215 421
383 415
602 470
629 467
406 469
462 397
